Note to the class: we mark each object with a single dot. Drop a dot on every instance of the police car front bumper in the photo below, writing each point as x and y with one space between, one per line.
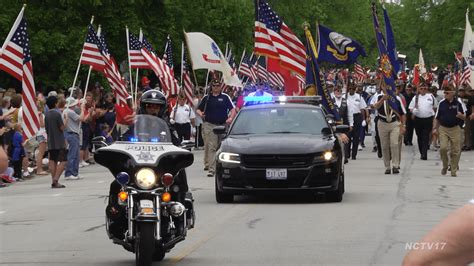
237 178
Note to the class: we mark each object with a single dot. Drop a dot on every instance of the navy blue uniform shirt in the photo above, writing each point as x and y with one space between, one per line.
217 108
446 113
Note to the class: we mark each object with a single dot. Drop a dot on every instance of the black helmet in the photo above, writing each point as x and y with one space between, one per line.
153 97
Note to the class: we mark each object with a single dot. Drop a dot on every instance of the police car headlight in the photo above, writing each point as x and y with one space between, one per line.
228 157
146 178
328 155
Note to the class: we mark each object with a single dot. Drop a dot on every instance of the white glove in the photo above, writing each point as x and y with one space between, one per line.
364 123
172 121
193 131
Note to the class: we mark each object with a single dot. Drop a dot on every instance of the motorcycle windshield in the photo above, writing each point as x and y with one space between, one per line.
148 128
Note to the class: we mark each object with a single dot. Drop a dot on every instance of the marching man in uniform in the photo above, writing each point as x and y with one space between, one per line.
390 126
183 118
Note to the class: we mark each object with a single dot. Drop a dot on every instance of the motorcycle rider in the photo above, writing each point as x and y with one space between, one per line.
152 102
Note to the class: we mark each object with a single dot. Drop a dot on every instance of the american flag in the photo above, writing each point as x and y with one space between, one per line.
134 53
168 55
244 68
112 73
15 59
274 39
261 68
276 79
186 78
466 74
168 83
90 52
301 85
359 72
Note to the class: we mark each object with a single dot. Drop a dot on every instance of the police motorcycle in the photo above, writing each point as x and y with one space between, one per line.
146 213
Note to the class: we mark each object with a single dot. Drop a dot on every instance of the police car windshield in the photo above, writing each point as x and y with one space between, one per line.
279 120
148 128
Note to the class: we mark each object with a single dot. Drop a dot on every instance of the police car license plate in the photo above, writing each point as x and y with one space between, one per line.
276 174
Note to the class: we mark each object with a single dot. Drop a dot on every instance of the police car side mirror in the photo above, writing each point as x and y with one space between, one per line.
326 131
330 119
219 130
342 128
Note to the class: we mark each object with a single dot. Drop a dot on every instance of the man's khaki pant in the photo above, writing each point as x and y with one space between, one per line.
450 138
211 144
389 139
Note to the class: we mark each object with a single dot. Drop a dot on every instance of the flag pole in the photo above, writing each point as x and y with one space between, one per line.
191 59
79 65
129 65
182 58
241 59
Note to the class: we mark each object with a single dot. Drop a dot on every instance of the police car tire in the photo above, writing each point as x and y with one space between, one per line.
336 196
223 197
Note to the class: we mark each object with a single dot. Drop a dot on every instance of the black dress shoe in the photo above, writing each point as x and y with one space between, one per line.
353 158
346 161
387 172
379 154
395 170
424 158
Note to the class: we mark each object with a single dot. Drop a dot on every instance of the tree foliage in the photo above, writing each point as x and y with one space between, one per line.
57 28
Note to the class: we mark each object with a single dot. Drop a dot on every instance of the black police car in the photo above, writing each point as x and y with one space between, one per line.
280 146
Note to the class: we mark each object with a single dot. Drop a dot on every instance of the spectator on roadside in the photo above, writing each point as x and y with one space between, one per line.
41 137
86 130
3 164
56 142
72 122
17 152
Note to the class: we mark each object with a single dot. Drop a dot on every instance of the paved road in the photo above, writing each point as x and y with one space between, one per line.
378 216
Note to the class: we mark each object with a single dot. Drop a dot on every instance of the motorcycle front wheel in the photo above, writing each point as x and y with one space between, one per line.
145 244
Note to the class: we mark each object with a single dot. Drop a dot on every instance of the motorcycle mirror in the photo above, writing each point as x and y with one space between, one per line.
187 145
99 142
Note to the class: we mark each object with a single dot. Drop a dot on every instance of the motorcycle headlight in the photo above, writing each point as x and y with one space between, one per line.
146 178
228 157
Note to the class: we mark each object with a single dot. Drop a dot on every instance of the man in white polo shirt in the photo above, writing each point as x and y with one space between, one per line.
423 108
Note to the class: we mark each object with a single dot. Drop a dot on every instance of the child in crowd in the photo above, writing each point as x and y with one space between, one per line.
17 152
105 132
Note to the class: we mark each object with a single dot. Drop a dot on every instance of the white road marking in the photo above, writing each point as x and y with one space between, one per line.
2 212
57 195
101 181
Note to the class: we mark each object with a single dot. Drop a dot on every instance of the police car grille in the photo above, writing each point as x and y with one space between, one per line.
277 161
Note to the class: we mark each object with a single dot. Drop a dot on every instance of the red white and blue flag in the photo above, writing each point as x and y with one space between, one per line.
135 54
112 72
15 59
188 85
169 85
273 38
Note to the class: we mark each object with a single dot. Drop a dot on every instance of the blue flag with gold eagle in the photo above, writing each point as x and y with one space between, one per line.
315 78
336 48
385 64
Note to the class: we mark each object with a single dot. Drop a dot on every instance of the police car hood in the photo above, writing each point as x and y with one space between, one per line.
278 144
122 156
